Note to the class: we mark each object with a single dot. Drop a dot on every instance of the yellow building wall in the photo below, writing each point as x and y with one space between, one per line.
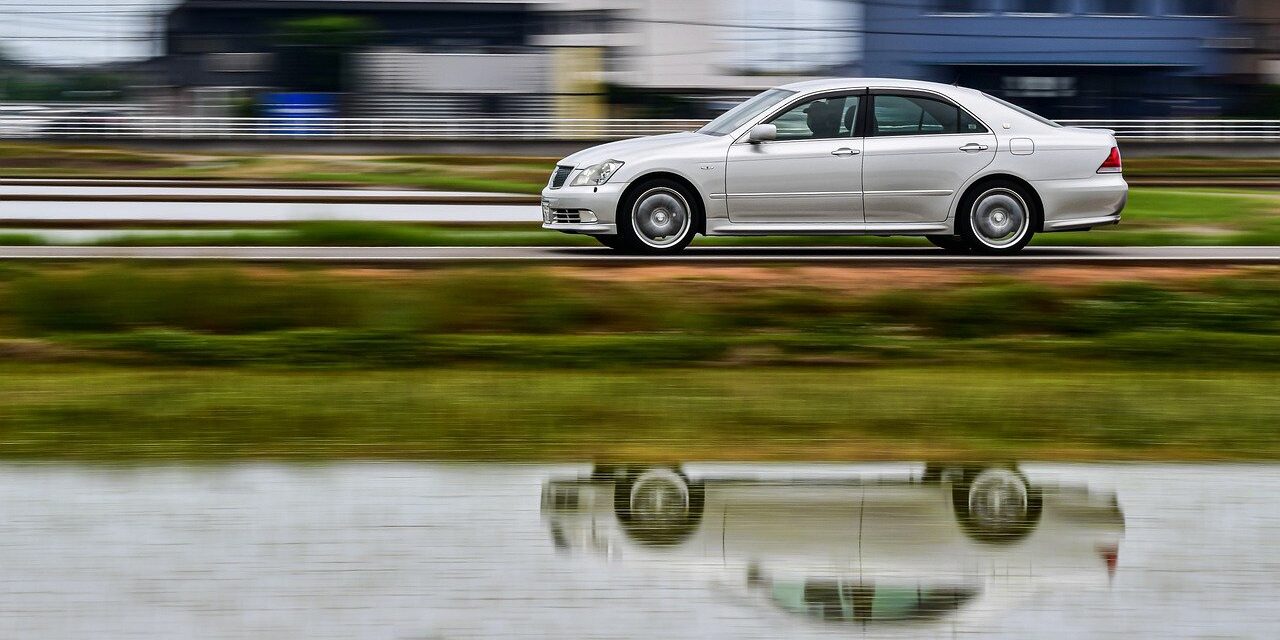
577 72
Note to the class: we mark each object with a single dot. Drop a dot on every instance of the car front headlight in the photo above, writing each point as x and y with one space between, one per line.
596 174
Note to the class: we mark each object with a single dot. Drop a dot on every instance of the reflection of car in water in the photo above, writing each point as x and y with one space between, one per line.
912 546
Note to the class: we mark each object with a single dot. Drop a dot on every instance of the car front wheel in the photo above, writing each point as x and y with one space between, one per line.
657 217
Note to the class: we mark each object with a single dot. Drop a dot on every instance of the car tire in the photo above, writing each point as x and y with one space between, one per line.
997 217
996 504
950 244
657 216
658 506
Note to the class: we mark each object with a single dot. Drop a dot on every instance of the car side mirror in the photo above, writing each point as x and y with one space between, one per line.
762 132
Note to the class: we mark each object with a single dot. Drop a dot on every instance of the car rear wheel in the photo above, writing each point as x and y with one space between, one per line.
657 217
953 244
996 505
997 218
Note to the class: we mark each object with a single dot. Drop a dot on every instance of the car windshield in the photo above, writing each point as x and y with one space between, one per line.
739 115
1034 116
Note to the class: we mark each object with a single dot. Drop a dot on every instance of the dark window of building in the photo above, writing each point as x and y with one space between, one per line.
1116 7
1038 6
1202 7
962 6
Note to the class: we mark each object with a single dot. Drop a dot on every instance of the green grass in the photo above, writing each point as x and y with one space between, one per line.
206 362
440 182
96 412
357 234
528 317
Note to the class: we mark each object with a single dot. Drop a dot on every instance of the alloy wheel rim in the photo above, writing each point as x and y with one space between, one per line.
1000 218
659 498
998 498
661 217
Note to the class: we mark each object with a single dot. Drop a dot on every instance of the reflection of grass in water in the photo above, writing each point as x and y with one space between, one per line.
73 411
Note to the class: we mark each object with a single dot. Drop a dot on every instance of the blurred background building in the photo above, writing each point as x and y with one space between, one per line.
677 58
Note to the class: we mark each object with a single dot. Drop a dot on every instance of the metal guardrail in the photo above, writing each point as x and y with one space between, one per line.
1186 130
338 128
36 126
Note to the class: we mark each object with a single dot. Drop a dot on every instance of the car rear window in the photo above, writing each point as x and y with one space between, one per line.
1030 114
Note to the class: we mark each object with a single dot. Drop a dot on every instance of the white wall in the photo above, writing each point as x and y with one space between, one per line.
685 44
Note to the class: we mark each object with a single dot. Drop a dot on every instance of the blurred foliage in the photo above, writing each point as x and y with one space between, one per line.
532 317
23 85
200 361
214 300
73 411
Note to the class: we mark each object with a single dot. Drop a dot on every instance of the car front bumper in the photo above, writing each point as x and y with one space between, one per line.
589 210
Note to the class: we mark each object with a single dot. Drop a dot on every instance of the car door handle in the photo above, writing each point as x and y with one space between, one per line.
973 146
845 151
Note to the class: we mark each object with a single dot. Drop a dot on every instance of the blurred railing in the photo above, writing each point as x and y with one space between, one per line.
340 128
1185 130
37 126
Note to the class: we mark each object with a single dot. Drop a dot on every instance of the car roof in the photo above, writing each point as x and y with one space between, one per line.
828 84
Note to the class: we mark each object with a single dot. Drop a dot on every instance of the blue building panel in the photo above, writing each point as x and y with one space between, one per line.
1067 58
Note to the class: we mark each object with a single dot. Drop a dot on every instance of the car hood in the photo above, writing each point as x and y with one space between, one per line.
633 149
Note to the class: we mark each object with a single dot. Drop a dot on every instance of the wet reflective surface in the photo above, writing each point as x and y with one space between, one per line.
687 551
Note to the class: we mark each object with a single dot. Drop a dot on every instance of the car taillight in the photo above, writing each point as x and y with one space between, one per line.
1110 556
1112 163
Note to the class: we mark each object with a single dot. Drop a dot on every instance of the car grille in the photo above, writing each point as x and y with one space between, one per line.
561 174
566 216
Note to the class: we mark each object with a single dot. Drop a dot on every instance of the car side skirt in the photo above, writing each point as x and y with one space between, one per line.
720 227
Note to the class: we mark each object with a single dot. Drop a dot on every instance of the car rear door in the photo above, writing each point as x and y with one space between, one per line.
811 174
919 150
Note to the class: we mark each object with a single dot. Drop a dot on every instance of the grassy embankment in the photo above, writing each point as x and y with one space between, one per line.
735 363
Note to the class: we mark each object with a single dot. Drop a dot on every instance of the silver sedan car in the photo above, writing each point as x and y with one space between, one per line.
868 156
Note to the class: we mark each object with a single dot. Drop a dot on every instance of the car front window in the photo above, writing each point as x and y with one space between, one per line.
745 112
820 118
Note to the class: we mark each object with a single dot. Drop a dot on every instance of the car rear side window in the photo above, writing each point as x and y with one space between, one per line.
904 115
970 124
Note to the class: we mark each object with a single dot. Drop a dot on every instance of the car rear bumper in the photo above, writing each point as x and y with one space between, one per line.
1082 203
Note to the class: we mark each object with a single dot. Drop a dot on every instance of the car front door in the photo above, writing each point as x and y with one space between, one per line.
812 172
919 150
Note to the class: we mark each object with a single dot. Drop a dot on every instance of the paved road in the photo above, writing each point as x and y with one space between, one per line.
913 256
